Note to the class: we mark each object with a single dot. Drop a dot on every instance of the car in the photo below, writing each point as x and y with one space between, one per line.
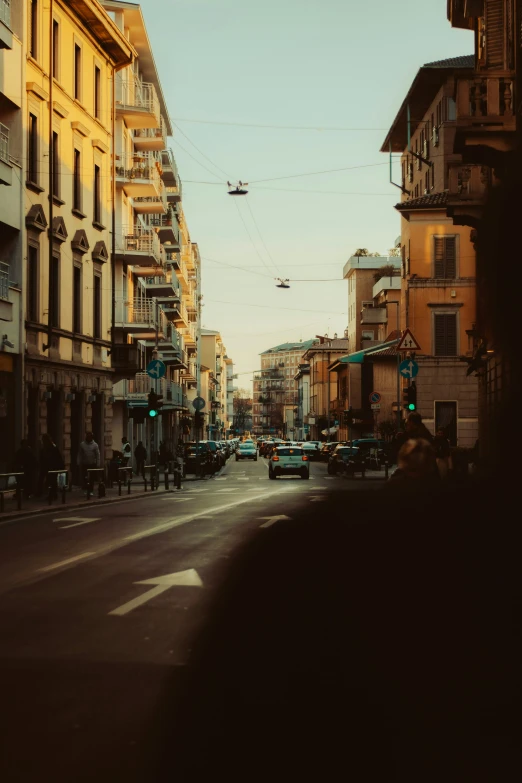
218 451
198 459
326 450
311 448
246 450
367 445
289 461
345 459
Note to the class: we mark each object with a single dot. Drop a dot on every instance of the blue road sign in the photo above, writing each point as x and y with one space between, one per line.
375 397
198 403
408 368
156 369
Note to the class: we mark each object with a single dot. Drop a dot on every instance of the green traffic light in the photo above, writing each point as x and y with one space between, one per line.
153 413
411 406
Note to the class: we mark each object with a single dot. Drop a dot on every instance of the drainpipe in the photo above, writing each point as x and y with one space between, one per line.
113 218
47 346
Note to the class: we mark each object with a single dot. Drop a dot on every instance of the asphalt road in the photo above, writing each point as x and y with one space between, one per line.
98 608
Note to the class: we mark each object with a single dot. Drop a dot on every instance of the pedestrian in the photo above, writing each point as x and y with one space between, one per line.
413 428
126 451
140 455
416 466
88 457
442 453
25 462
50 460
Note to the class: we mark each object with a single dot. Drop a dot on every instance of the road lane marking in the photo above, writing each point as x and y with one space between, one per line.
78 524
316 498
273 520
189 578
76 519
66 562
177 500
231 489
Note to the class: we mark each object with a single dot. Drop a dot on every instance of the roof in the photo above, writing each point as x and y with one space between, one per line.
431 201
430 77
289 347
331 345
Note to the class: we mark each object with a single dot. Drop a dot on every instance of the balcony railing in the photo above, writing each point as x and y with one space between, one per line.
125 357
140 242
4 137
374 315
486 97
5 12
152 204
468 182
4 280
151 138
140 98
140 173
144 313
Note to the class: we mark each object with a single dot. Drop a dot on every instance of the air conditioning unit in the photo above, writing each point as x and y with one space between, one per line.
435 137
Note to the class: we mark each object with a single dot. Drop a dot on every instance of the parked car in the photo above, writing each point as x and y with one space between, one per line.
326 450
369 444
312 449
218 451
246 451
198 459
289 461
347 459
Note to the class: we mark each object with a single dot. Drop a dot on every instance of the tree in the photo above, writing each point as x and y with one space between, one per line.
394 252
364 252
242 408
387 270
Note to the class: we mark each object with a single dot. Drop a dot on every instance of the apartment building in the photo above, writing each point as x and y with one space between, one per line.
231 390
325 412
367 325
438 277
11 233
275 389
487 137
72 54
302 380
156 267
214 366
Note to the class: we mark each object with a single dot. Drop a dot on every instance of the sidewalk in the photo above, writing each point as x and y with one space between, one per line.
77 498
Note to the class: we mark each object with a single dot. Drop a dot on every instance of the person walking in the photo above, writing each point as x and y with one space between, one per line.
50 459
88 457
140 455
442 453
416 466
25 462
126 451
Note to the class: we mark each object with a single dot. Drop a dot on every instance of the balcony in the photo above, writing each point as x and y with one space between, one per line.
190 373
171 176
485 106
188 333
168 229
151 205
175 310
180 267
374 315
141 318
139 174
162 287
139 247
6 171
6 36
137 103
125 359
151 139
173 396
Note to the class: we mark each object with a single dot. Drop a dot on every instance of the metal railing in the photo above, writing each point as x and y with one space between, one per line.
140 95
160 201
4 280
4 138
139 165
141 311
138 239
152 133
5 12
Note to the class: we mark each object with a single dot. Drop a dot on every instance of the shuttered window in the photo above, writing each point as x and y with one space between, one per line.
445 257
446 335
494 23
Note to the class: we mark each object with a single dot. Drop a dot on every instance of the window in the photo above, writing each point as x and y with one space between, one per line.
445 334
54 291
432 175
33 29
77 181
32 283
445 252
56 166
97 195
56 49
97 327
77 298
427 182
32 152
97 92
77 72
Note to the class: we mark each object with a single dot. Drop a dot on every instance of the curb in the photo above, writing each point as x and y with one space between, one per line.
14 515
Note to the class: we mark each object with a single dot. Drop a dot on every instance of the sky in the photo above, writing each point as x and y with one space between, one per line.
327 77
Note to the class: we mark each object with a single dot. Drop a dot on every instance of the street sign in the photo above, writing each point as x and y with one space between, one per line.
375 397
408 368
198 403
156 369
376 406
408 342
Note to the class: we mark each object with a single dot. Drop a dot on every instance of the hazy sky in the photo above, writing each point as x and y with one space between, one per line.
307 63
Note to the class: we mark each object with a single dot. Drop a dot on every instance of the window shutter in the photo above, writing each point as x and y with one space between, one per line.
445 335
445 257
494 17
439 256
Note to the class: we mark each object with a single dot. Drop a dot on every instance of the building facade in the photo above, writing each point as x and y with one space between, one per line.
366 326
326 408
213 363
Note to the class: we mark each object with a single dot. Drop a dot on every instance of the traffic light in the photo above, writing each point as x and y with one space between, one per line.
155 403
410 397
348 417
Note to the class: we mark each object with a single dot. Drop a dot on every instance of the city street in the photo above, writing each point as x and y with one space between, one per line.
99 606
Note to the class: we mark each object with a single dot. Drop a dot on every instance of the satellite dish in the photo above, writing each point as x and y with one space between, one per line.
282 283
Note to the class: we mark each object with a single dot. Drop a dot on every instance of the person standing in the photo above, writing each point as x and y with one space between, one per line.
88 457
140 455
442 453
126 451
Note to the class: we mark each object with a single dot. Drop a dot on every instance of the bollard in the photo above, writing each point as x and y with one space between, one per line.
166 479
64 494
363 472
145 482
153 480
119 486
178 478
129 485
386 469
101 489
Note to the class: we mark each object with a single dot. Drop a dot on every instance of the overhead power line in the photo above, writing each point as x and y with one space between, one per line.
317 128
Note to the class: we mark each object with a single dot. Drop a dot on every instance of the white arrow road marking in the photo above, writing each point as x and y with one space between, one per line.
272 520
65 562
188 578
316 498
